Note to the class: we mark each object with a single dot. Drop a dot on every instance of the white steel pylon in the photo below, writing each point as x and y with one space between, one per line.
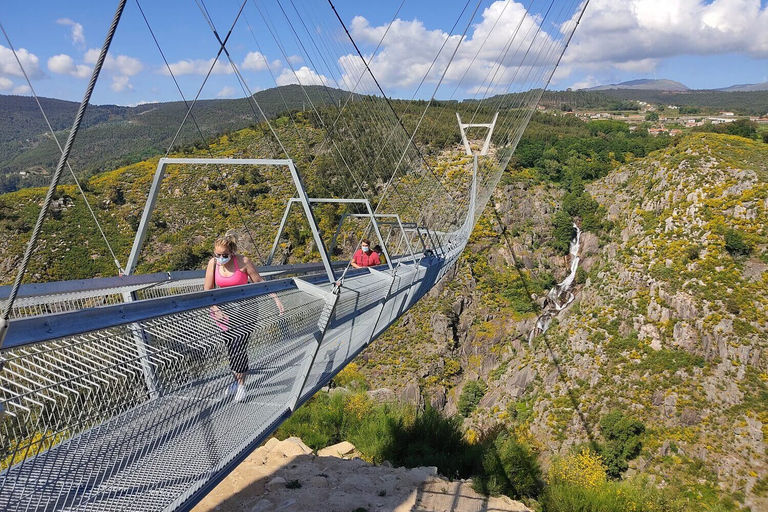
463 127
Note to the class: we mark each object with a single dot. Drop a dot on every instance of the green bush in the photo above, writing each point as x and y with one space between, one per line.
735 244
385 432
669 360
431 439
473 392
623 443
563 232
510 468
610 497
581 276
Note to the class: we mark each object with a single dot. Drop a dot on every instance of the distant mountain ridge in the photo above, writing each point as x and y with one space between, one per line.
663 84
745 88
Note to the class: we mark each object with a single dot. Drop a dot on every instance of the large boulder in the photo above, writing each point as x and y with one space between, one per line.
411 394
339 450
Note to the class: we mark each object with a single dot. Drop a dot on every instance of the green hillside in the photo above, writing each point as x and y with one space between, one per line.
113 135
198 202
668 326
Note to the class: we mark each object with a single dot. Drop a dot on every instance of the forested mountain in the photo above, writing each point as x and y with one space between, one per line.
112 135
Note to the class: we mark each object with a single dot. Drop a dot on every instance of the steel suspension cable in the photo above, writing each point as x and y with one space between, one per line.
197 126
284 102
61 150
329 130
382 90
434 93
57 174
309 99
514 34
381 115
567 43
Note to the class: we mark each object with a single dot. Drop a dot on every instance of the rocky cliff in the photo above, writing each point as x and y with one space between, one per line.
669 322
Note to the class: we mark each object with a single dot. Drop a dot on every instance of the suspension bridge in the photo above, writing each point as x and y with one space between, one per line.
113 389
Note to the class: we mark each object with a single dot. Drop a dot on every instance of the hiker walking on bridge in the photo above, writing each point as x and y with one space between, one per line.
227 268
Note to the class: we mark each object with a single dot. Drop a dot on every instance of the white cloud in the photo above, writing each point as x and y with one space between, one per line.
5 84
638 66
254 61
22 89
636 34
586 83
120 84
121 65
64 65
77 34
494 50
198 67
226 92
295 59
303 75
9 66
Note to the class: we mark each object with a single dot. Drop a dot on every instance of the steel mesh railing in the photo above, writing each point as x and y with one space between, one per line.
77 402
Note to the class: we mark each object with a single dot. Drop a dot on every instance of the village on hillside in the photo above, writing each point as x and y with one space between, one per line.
660 119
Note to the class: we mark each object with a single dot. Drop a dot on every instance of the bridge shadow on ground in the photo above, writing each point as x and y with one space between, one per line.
283 476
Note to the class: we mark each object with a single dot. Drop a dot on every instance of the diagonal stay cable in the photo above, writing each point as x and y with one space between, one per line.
429 69
199 130
57 174
207 76
411 136
61 150
327 137
290 114
442 77
244 85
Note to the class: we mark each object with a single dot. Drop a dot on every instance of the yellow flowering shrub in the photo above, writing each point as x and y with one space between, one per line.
350 377
32 446
585 469
358 405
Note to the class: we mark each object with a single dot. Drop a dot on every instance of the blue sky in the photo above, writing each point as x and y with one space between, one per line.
703 44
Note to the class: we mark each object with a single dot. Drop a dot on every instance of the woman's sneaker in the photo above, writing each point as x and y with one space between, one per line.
240 393
232 389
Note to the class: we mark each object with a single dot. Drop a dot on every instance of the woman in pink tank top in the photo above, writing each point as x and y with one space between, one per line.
226 268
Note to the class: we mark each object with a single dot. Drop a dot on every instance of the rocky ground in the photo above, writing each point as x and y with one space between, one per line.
287 475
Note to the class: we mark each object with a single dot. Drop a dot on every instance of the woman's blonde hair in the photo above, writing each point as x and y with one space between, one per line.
229 240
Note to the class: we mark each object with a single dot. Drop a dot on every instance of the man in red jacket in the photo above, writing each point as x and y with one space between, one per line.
365 257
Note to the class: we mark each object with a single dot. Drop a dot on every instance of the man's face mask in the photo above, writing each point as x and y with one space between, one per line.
366 248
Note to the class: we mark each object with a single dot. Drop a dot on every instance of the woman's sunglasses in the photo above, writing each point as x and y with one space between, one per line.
217 255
